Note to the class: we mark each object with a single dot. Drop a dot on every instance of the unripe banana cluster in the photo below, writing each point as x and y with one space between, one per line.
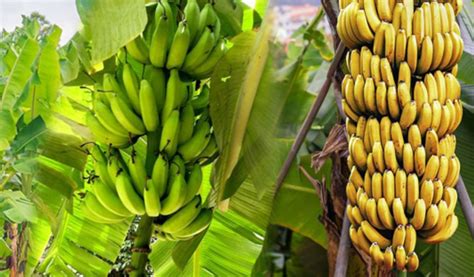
402 102
192 45
154 92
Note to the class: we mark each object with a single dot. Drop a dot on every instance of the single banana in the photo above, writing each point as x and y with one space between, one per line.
419 214
451 197
390 156
157 79
413 192
99 211
401 186
399 236
127 194
381 98
424 118
150 115
179 46
432 217
414 136
194 182
359 93
176 94
408 115
364 27
438 50
396 134
378 47
348 111
442 220
191 14
410 238
372 15
432 167
412 262
368 183
390 34
408 159
400 47
446 116
108 120
426 57
387 74
404 95
109 199
356 178
358 153
383 10
375 69
137 171
138 49
170 134
102 135
427 192
400 258
176 194
159 41
377 185
385 215
376 254
130 82
378 154
199 224
151 198
436 113
373 235
369 95
362 241
126 117
182 218
420 160
418 26
392 103
371 212
398 212
160 174
388 258
385 129
448 51
412 53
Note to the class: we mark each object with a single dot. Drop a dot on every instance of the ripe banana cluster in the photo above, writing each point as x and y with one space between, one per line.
155 91
192 44
402 102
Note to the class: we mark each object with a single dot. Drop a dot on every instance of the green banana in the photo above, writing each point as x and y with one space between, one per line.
186 123
201 101
169 135
96 152
179 46
127 194
130 82
101 170
96 217
194 183
127 118
114 167
191 14
99 210
183 217
109 199
157 79
113 89
160 174
102 135
137 171
148 107
138 49
200 52
107 118
176 93
176 166
207 18
200 223
159 41
177 193
206 68
195 145
210 150
152 199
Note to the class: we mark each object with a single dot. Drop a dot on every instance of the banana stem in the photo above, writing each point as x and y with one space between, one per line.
141 244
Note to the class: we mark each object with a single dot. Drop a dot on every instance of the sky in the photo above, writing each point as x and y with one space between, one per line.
60 12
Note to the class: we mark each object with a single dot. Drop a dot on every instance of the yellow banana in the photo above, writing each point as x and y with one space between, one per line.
375 68
350 96
385 129
387 74
390 34
362 203
432 217
374 130
431 88
451 197
376 254
404 95
432 167
438 50
426 57
377 188
408 159
354 63
378 155
381 98
385 215
365 60
383 10
398 236
427 192
349 215
400 47
418 26
436 113
369 95
388 186
413 191
412 262
388 258
419 214
363 241
408 115
406 18
448 51
379 40
442 219
427 19
360 128
371 212
435 17
399 212
410 238
445 233
441 86
390 156
424 119
401 186
414 136
364 27
392 103
351 193
358 153
373 235
420 160
368 183
400 258
356 178
371 13
396 17
359 93
420 95
398 139
412 53
445 123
